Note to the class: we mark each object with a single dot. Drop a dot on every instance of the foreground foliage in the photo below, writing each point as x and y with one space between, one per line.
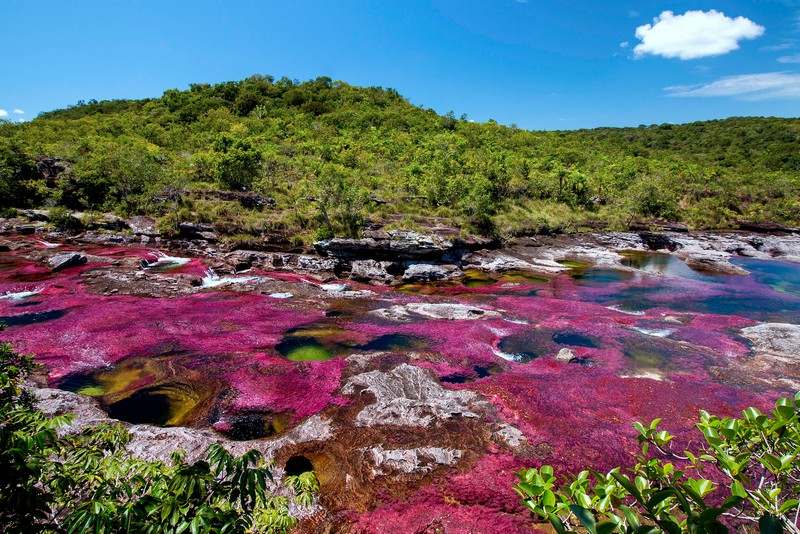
337 157
88 482
755 458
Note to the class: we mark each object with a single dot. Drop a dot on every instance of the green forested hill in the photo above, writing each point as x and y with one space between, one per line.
365 155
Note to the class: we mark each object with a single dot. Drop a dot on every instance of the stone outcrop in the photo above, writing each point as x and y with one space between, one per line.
780 340
499 262
423 272
375 271
443 311
66 260
409 396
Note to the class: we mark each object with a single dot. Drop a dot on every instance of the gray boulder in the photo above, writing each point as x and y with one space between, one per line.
422 272
67 260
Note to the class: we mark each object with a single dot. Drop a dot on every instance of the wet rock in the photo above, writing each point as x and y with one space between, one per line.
421 272
712 262
777 339
444 311
418 460
565 355
500 262
671 226
765 227
659 241
26 229
410 396
66 260
375 271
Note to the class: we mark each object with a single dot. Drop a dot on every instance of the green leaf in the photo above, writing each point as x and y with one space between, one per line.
626 483
659 497
737 489
606 527
630 516
558 525
585 517
769 524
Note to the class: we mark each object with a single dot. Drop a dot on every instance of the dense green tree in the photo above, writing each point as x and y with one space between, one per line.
268 136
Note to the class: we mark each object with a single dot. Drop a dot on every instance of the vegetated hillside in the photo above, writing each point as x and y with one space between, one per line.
337 157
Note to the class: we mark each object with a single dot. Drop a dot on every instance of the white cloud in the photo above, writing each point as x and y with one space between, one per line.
694 34
624 44
789 59
3 113
766 86
18 111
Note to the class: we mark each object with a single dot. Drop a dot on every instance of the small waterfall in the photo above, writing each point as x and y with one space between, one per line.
212 279
20 295
165 262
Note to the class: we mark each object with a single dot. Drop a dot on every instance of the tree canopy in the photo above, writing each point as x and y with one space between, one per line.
398 163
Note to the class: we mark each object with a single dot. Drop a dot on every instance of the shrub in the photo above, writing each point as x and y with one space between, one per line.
61 217
756 455
89 482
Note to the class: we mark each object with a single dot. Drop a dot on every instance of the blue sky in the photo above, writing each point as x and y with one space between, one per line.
539 64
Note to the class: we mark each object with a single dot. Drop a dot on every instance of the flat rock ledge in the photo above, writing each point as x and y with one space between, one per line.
410 396
440 311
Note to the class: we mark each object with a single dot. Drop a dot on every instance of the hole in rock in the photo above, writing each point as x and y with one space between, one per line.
524 348
143 407
164 405
525 277
572 264
249 426
477 279
393 342
297 465
27 304
601 276
457 378
303 349
85 384
30 318
574 339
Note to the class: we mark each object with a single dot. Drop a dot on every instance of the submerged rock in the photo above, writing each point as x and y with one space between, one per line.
713 262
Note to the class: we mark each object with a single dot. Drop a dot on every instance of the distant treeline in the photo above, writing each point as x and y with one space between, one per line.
336 157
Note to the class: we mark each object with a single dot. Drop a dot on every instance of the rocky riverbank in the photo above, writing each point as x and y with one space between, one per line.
413 372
